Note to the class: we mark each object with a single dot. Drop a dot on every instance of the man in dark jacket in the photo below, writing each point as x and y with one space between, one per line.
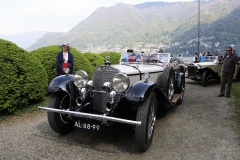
228 71
196 58
64 59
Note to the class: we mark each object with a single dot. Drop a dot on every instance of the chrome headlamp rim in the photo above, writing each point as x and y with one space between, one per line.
128 82
84 74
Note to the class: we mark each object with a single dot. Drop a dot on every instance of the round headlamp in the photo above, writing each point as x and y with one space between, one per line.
80 78
121 82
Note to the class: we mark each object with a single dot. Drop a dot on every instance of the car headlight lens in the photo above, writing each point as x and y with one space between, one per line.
121 82
80 78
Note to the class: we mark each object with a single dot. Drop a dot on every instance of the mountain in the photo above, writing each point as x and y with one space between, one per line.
25 39
45 40
215 36
226 29
149 25
210 12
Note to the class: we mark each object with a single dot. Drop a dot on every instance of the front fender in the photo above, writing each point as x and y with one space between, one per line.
140 91
60 83
210 71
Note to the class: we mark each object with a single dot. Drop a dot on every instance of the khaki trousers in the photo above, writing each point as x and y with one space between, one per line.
226 78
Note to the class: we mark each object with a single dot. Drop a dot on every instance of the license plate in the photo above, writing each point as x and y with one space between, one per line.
88 126
198 77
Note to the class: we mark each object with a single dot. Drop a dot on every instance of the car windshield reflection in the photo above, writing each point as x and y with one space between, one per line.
145 58
213 59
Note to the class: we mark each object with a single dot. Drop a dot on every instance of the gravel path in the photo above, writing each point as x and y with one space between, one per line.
203 127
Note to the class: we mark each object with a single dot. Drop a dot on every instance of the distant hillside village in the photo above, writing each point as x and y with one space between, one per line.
206 44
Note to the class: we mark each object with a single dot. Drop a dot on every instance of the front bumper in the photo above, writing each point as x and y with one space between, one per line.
88 115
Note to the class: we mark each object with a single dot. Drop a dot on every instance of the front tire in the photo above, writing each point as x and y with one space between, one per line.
146 113
205 78
59 122
238 76
182 90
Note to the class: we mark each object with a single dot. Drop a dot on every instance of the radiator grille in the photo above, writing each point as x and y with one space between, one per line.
192 70
101 75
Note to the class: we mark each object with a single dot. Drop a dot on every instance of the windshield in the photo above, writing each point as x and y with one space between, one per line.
152 58
213 59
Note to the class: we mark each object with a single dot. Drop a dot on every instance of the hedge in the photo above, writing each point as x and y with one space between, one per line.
23 78
114 58
47 56
95 59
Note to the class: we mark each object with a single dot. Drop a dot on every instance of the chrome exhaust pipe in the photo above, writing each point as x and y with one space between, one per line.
89 115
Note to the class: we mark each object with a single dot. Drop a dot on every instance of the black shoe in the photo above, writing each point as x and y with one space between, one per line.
227 96
220 95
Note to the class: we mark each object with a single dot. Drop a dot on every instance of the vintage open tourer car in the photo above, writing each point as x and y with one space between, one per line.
129 93
204 71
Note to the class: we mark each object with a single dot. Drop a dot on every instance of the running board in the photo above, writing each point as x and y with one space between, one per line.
176 97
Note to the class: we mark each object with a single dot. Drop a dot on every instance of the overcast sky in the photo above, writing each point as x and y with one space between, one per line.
18 16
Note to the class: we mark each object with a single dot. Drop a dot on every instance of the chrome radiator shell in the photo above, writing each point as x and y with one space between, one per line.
101 75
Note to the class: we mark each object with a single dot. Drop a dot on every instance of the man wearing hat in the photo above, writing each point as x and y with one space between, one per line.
64 59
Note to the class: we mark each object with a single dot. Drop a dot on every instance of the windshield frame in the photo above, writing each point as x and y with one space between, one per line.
145 58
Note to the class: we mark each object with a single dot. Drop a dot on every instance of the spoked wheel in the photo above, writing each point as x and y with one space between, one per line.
58 121
182 90
167 82
146 113
171 87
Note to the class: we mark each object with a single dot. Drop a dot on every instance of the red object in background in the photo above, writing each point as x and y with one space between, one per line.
65 65
131 58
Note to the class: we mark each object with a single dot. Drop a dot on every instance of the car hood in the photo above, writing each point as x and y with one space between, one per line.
205 64
134 69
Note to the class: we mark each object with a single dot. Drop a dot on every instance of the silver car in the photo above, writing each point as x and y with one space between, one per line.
128 94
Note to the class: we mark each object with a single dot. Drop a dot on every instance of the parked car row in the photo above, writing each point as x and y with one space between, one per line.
204 71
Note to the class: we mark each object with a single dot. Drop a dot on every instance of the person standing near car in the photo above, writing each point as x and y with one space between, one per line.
160 51
209 53
64 59
228 71
202 57
216 54
196 59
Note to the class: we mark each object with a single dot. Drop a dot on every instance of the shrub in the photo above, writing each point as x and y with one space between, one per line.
95 59
114 58
48 55
23 78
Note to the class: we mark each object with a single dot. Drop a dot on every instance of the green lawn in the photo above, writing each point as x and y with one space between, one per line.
236 93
